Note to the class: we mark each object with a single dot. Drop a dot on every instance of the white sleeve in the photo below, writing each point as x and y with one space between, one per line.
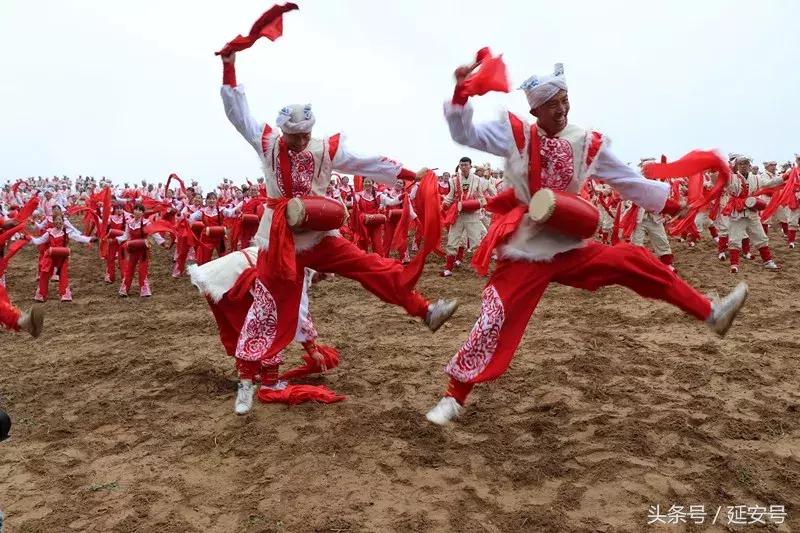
196 216
158 238
492 137
766 183
391 202
380 169
77 236
650 194
230 212
70 226
41 239
238 112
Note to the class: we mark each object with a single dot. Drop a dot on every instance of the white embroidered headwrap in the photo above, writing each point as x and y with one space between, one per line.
540 89
296 119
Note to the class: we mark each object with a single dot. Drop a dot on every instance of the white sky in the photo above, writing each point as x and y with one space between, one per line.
130 90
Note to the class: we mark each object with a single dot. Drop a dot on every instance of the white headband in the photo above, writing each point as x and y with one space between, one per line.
296 119
540 89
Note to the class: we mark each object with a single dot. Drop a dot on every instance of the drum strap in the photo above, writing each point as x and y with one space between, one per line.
534 162
286 168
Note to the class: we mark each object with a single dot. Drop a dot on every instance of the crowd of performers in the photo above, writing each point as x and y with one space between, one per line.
565 210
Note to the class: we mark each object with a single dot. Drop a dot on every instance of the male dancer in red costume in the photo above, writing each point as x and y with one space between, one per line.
296 165
554 154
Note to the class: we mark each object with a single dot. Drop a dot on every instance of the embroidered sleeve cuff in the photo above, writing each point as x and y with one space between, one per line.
671 207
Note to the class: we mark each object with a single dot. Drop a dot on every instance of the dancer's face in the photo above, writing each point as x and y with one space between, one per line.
297 142
743 167
551 116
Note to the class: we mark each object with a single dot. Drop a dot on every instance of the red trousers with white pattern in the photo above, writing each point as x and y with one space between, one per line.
271 321
515 288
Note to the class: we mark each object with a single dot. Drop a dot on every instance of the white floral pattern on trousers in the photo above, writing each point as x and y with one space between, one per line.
260 327
475 354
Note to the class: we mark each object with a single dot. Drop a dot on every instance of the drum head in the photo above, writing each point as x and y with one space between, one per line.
295 212
542 205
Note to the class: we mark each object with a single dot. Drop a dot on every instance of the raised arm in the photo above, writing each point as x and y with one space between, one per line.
77 236
491 137
43 238
236 108
650 194
381 169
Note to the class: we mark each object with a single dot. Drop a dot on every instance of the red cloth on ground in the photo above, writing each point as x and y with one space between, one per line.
297 394
329 354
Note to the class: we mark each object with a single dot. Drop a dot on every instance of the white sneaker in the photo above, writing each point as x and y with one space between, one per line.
439 312
445 411
724 310
244 397
691 244
722 256
791 246
32 321
446 273
748 256
458 263
734 269
771 265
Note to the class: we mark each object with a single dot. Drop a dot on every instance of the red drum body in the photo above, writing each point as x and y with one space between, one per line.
315 213
250 220
469 206
564 213
395 215
375 219
215 232
58 252
756 204
114 233
136 245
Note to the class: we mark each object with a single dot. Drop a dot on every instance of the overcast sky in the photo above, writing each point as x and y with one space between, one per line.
130 90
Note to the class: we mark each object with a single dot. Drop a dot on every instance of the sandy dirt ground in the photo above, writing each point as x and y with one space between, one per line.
123 414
